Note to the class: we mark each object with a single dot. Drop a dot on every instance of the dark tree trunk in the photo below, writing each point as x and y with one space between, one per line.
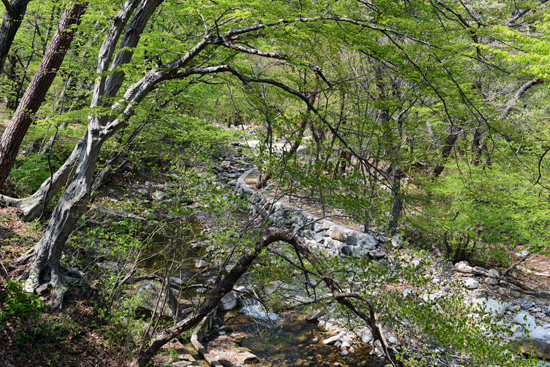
36 91
13 18
446 151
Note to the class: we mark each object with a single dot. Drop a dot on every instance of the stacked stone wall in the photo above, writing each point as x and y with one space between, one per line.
319 234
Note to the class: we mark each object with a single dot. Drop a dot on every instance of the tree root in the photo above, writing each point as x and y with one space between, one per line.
40 279
59 278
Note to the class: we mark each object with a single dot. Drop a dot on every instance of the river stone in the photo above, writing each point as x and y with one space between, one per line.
345 353
334 339
490 306
392 340
366 338
338 344
471 283
527 306
338 234
229 302
200 263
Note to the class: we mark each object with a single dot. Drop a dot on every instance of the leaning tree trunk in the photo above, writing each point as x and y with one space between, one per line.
37 89
13 17
46 270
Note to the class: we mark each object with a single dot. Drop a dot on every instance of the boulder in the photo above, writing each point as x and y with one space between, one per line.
229 302
366 338
471 283
525 320
158 195
490 306
338 234
368 242
431 298
538 338
464 266
148 293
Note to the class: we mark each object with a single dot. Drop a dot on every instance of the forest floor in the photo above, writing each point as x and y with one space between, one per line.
79 335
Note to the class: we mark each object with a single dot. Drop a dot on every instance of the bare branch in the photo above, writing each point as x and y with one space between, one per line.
524 88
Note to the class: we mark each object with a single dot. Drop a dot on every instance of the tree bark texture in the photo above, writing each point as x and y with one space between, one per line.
37 89
13 18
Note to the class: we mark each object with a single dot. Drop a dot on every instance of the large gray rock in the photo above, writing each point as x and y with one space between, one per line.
149 293
490 306
538 339
464 266
366 338
229 302
525 320
471 283
368 242
338 234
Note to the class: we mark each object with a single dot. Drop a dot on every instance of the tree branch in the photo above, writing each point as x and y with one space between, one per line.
8 6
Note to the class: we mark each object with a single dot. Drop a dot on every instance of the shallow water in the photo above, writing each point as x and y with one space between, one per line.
289 342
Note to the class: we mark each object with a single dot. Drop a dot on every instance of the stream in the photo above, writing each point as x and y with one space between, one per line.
286 339
283 339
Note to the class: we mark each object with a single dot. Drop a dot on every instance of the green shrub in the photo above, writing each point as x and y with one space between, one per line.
33 171
15 302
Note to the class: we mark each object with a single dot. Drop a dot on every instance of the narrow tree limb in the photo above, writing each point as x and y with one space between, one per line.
521 91
507 271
